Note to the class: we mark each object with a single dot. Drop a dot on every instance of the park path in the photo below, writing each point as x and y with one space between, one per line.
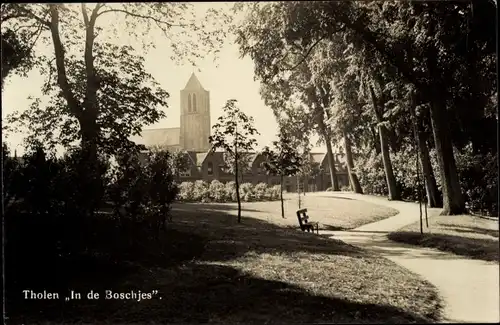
469 288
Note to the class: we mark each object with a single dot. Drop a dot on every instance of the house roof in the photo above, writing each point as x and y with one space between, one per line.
193 83
318 157
253 157
158 137
200 158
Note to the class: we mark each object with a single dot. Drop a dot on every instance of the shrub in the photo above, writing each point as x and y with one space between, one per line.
161 188
186 191
345 188
201 191
246 192
371 174
478 174
220 192
217 191
259 191
274 193
230 189
127 192
405 170
50 220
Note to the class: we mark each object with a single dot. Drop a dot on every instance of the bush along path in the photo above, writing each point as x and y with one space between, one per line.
216 191
469 288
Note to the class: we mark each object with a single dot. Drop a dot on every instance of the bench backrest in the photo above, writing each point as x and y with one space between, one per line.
300 216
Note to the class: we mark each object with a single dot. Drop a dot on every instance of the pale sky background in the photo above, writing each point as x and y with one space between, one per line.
232 78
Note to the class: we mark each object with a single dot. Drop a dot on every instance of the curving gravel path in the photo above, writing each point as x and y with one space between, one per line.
469 288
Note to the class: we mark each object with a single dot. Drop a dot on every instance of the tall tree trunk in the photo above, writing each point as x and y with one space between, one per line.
331 165
376 141
453 201
329 151
353 178
237 181
433 196
281 197
386 159
384 146
90 132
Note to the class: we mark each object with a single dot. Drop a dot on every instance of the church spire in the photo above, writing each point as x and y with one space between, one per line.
193 83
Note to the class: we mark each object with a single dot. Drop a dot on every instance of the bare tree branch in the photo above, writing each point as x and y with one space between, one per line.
62 78
85 15
156 20
305 56
24 26
38 32
309 51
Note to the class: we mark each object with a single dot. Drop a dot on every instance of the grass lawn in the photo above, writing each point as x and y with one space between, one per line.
208 268
465 235
331 213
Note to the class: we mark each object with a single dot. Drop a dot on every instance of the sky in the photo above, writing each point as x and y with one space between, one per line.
231 77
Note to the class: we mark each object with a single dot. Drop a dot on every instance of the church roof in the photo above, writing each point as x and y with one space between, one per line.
193 83
159 137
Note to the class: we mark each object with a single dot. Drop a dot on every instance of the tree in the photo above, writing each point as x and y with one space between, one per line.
313 93
282 160
17 44
178 160
416 39
79 27
234 133
129 99
238 167
81 68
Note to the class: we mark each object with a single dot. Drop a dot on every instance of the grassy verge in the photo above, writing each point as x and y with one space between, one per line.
331 213
465 235
208 268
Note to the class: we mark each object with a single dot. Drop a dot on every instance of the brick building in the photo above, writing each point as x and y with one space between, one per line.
192 139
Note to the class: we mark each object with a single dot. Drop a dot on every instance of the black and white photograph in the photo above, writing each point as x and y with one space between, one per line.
314 162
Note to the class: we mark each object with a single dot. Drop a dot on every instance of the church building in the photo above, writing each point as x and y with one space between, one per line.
194 130
192 138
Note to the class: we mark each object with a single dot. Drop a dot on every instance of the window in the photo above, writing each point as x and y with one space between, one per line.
210 168
194 103
189 103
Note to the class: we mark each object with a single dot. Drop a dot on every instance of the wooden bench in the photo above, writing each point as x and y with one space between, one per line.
304 221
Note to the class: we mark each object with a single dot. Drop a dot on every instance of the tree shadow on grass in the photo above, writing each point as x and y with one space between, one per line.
336 197
331 228
213 206
182 265
201 293
476 248
226 239
477 230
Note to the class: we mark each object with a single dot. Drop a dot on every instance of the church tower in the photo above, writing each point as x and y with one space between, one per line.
195 116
